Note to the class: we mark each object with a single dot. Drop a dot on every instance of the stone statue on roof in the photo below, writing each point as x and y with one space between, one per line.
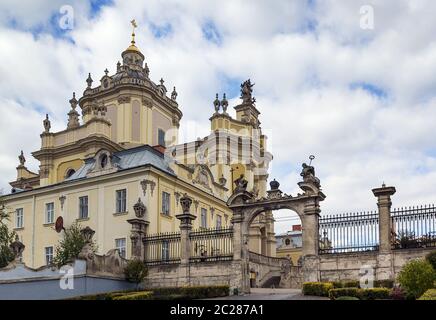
246 92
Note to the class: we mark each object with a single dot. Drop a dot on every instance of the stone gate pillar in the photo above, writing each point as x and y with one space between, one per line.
384 204
384 268
310 224
186 219
240 265
138 231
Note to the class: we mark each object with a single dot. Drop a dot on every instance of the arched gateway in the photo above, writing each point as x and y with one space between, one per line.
246 208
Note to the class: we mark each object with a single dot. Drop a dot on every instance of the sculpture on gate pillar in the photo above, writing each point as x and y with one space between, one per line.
310 184
17 248
241 184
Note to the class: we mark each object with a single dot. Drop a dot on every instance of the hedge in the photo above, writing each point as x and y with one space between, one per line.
363 294
320 289
142 295
384 283
430 294
198 292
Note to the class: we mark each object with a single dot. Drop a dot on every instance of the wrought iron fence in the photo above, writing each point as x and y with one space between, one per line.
162 248
414 227
350 232
214 244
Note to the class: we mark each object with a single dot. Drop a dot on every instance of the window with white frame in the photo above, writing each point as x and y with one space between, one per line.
203 217
83 207
48 251
161 137
218 221
49 212
19 218
165 203
121 201
120 244
165 250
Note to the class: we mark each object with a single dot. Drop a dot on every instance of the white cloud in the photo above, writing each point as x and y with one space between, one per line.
303 81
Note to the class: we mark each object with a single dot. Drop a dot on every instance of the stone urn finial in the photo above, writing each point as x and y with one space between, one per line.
139 209
87 234
185 202
274 185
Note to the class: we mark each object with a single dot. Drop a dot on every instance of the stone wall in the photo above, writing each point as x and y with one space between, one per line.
336 267
194 274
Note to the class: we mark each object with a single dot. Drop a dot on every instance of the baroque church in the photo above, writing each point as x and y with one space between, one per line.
120 153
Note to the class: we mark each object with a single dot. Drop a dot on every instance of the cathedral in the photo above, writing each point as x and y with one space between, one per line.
120 151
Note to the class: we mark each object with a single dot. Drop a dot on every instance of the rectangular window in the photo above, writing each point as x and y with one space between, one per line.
83 207
218 221
161 137
19 218
49 212
165 250
203 218
165 203
48 255
121 201
120 244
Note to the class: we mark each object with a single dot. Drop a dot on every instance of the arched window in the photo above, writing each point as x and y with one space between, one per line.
69 173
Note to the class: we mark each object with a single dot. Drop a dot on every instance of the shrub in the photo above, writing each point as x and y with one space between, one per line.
135 271
362 294
337 284
198 292
320 289
142 295
398 294
351 284
430 294
374 294
344 292
347 298
416 277
384 283
431 258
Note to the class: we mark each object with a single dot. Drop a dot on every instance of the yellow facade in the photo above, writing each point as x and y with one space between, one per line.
127 112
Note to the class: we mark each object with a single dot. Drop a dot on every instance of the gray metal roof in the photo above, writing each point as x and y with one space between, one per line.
129 159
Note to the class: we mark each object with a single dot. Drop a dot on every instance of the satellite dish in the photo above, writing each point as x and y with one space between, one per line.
59 225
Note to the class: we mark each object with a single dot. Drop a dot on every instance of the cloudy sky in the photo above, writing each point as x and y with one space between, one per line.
361 98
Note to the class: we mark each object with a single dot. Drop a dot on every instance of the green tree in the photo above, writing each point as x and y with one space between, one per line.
6 238
135 271
70 246
416 277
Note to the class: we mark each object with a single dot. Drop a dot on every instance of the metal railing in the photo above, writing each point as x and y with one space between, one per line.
214 244
350 232
414 227
162 248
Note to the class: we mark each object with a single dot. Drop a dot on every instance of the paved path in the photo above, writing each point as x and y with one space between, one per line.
272 294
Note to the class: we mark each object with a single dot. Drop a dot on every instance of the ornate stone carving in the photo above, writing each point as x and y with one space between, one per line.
177 196
123 99
145 183
147 102
62 201
222 181
139 209
202 177
17 248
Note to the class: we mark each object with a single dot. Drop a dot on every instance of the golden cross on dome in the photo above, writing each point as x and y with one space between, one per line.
134 25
